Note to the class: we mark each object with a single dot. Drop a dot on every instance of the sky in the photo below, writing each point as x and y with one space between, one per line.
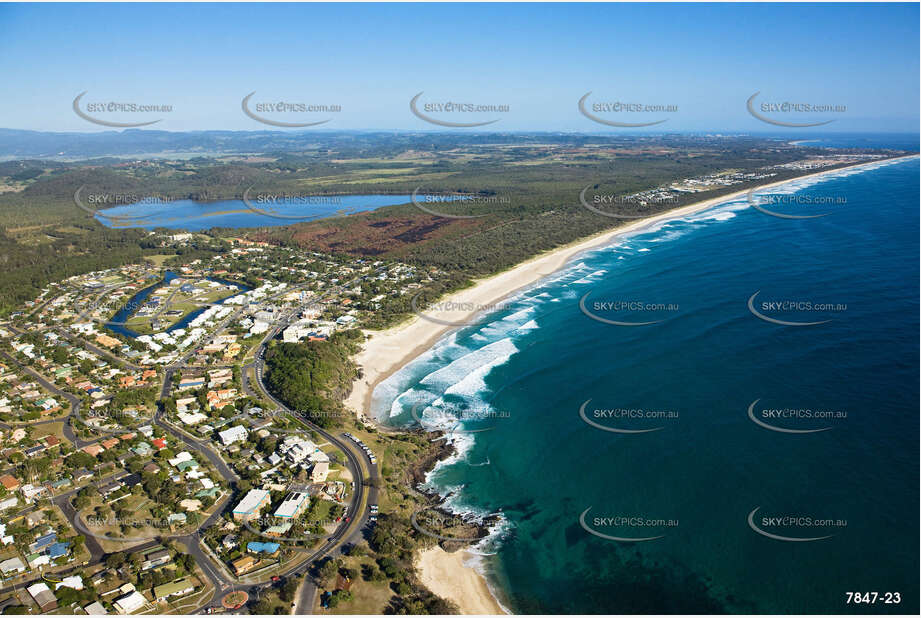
539 60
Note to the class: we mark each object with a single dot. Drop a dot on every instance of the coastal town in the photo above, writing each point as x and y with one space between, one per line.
175 438
545 309
148 468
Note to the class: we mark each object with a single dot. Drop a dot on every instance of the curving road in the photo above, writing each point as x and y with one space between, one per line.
359 466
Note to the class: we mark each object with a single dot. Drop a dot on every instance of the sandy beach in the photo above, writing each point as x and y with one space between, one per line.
387 351
444 574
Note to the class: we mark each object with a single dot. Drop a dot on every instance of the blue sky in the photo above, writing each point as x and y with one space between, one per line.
538 59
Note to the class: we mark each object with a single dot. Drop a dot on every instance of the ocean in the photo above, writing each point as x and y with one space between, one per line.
715 414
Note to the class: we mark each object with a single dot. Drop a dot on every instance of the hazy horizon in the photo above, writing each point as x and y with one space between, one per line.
703 62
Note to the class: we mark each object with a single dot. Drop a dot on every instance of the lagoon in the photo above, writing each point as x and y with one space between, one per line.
194 216
117 323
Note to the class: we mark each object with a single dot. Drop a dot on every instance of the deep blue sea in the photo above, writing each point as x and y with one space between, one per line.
898 141
752 448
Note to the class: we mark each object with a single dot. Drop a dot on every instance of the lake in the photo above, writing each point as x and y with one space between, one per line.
256 211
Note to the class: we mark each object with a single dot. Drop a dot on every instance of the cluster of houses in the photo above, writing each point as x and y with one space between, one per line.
78 308
159 347
187 469
295 503
131 600
35 535
107 444
200 395
223 347
45 549
822 161
127 599
310 328
19 395
710 182
291 279
293 454
83 373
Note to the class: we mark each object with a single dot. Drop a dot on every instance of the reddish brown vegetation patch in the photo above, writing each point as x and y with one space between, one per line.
370 236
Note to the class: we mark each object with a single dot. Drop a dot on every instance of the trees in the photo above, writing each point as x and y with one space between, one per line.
357 550
349 573
329 569
339 596
313 377
289 590
262 606
116 560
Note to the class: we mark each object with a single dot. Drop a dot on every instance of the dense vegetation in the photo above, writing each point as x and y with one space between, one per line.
45 236
26 267
312 378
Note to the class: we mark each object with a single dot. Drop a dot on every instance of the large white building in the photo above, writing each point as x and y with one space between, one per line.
251 503
320 472
293 505
295 333
296 449
234 434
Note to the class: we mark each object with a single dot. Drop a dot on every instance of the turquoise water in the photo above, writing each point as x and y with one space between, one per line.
522 374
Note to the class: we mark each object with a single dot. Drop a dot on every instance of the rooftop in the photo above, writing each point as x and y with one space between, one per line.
254 499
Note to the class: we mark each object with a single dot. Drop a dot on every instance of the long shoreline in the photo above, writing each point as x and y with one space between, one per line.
386 352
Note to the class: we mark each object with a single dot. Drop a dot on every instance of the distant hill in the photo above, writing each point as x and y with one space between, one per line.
18 144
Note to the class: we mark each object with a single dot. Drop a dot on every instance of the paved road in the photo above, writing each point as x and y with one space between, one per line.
305 597
348 532
73 400
221 582
97 350
351 531
203 447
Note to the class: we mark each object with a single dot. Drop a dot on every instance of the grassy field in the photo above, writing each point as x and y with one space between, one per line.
368 597
158 260
50 429
178 302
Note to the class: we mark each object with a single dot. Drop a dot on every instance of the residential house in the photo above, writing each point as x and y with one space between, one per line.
155 558
129 603
243 565
173 589
12 566
30 492
82 474
43 596
9 482
237 433
95 609
93 449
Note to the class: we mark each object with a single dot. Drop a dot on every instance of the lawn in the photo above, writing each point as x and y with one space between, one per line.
177 301
158 260
367 597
